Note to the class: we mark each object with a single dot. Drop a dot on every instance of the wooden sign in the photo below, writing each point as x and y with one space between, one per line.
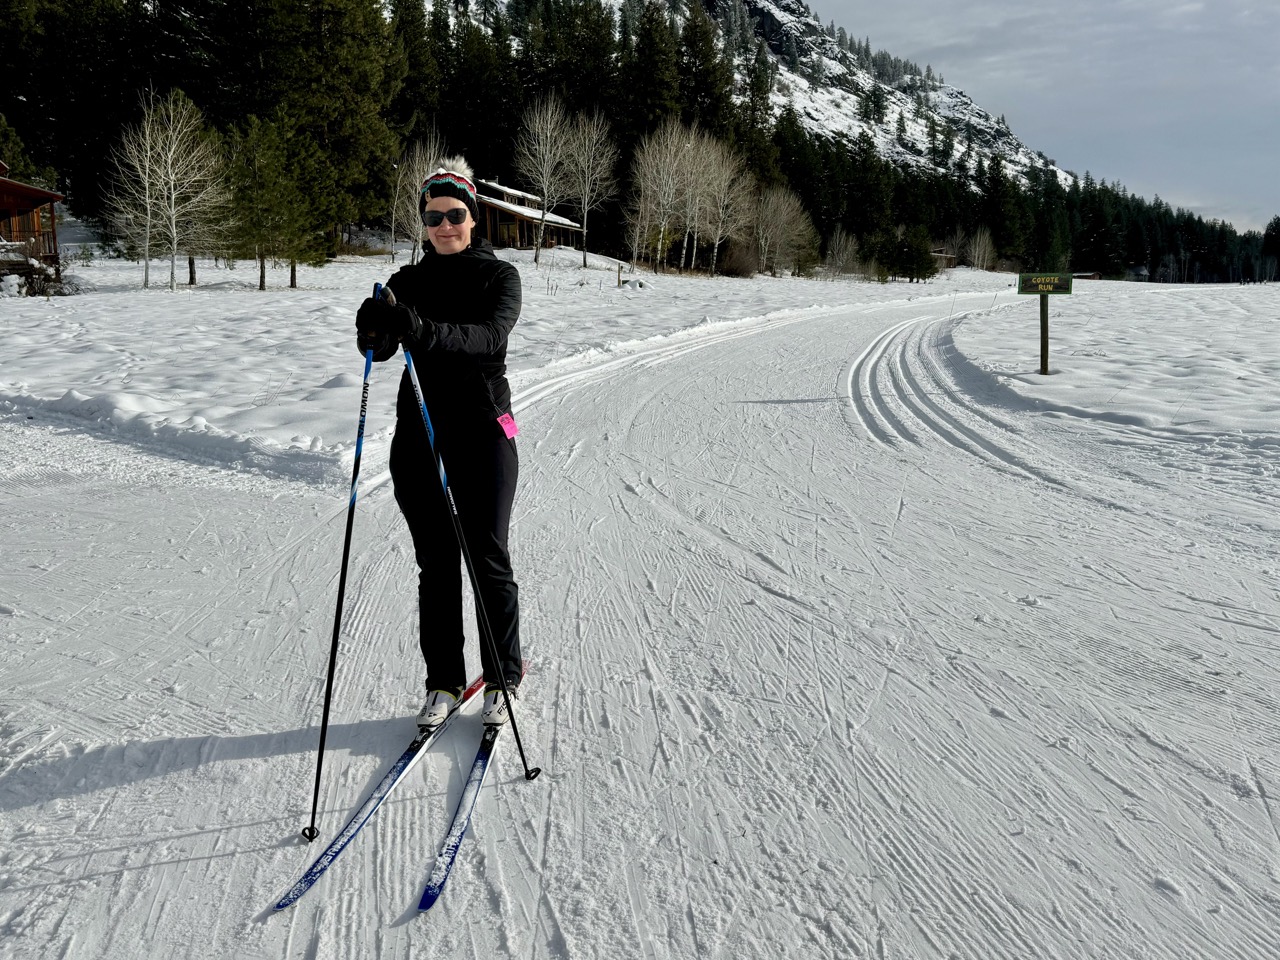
1044 283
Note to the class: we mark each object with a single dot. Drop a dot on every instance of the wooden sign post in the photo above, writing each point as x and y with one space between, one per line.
1044 284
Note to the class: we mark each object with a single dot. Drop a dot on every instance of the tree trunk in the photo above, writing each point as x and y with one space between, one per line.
191 271
293 274
262 269
537 246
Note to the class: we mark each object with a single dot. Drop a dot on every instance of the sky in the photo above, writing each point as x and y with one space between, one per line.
1180 100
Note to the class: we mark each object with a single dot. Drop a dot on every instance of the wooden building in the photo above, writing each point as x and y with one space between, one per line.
510 218
28 229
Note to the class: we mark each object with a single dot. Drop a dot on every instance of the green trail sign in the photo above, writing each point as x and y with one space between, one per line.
1044 284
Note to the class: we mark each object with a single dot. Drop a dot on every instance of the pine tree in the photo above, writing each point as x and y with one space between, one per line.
413 108
754 132
483 114
263 190
706 76
337 94
871 182
649 77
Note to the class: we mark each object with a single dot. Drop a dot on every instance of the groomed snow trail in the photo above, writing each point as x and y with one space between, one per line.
834 652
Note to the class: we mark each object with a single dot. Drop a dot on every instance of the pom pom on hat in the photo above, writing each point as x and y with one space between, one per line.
451 179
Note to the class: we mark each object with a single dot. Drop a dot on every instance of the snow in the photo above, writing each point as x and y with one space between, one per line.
849 633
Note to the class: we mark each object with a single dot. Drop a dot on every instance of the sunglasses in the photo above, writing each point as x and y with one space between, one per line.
457 216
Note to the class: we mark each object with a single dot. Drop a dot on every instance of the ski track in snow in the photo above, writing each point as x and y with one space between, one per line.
834 651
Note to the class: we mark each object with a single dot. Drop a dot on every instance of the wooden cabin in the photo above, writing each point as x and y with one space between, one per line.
510 218
28 228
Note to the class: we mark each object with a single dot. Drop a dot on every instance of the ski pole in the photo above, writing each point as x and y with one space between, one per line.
482 616
310 833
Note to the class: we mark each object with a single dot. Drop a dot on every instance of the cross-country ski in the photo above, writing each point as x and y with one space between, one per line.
399 770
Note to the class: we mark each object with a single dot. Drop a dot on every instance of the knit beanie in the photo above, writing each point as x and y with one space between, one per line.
451 179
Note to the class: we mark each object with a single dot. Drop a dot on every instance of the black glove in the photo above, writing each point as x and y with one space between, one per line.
383 345
391 319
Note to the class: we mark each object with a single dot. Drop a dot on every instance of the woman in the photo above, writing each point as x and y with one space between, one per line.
454 311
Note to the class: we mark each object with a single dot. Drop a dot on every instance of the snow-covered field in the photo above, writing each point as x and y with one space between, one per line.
850 635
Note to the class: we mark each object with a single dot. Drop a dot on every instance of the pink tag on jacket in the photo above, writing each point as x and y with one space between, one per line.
508 424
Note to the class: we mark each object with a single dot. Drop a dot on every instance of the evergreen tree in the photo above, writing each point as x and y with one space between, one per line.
706 76
584 69
1271 251
413 108
69 118
754 130
1001 210
649 77
273 217
871 182
483 115
1048 242
21 167
338 94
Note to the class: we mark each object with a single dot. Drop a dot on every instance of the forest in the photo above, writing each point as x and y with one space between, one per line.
315 106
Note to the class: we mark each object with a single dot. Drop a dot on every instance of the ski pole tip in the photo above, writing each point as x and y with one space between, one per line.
309 833
532 774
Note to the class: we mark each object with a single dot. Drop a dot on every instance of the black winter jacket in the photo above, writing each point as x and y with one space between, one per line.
474 299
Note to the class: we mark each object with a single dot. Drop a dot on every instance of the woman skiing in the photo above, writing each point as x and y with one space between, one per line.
453 311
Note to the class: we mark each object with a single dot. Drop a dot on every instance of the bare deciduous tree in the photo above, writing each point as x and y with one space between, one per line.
784 230
729 199
416 162
696 161
540 156
589 163
172 189
134 206
842 252
658 172
981 249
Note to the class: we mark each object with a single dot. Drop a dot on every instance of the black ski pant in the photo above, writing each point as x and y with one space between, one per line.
482 467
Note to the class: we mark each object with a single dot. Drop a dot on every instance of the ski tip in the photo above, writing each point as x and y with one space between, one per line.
429 898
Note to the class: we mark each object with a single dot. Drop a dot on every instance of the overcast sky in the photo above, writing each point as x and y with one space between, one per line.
1176 99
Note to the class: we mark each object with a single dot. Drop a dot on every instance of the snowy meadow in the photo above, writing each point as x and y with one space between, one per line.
849 633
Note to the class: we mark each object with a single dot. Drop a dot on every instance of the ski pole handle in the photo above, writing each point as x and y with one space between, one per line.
381 292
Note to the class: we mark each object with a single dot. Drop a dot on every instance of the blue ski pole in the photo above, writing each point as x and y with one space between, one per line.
310 832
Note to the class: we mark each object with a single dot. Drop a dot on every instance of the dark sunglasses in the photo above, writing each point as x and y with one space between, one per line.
433 218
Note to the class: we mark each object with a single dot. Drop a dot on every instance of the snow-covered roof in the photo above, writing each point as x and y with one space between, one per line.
529 213
495 185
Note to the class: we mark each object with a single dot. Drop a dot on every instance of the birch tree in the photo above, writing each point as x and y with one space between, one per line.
589 162
695 164
842 252
173 191
416 162
658 174
728 198
981 249
784 230
133 207
540 157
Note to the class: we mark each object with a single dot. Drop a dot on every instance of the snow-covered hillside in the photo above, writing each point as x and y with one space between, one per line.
850 635
826 83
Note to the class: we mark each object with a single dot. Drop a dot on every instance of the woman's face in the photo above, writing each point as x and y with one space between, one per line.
450 237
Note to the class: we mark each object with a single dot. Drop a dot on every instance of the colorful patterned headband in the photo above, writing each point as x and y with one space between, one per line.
447 178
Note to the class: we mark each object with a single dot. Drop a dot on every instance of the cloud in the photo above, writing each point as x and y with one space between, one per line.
1132 90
